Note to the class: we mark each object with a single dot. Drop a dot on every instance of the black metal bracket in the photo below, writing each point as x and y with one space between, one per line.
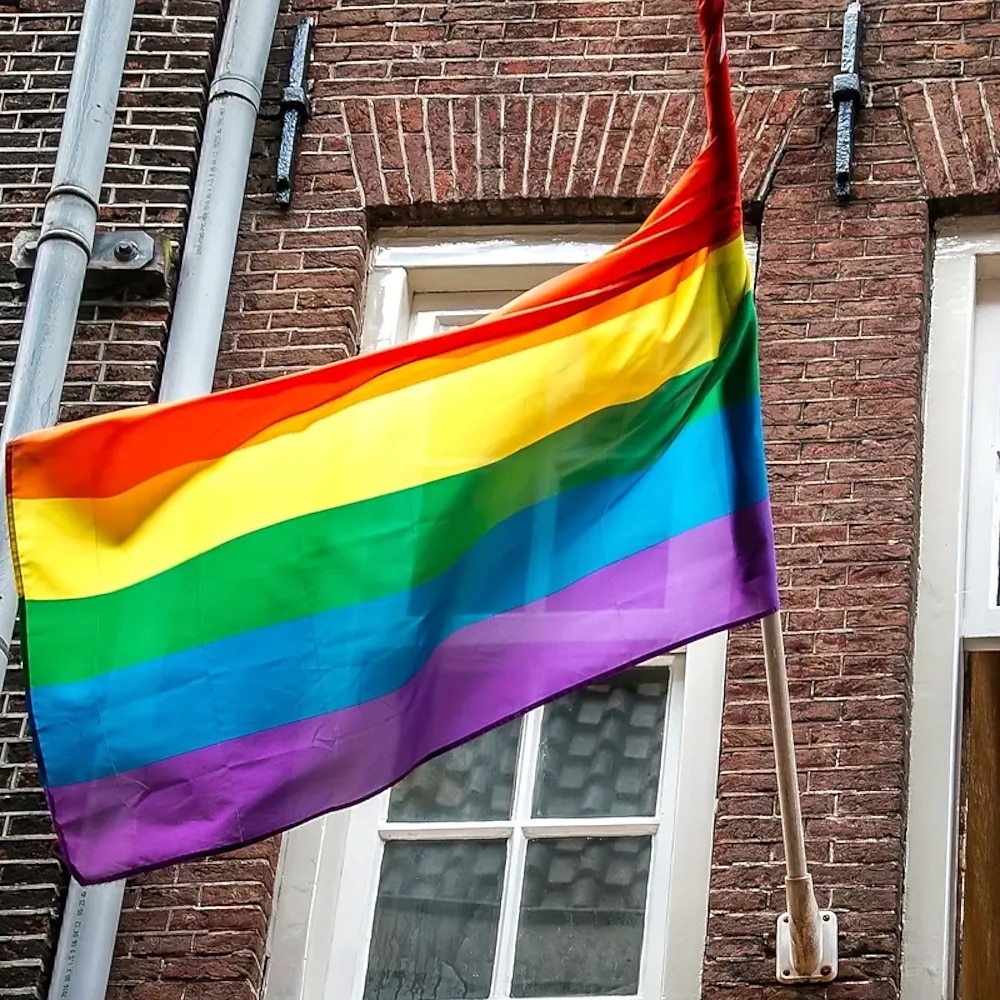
141 263
294 109
847 98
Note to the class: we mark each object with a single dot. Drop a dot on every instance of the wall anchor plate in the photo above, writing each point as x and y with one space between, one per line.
826 972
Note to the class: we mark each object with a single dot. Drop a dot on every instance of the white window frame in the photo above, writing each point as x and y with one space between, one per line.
321 879
368 825
956 583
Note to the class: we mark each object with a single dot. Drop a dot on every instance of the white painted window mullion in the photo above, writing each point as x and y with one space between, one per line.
611 826
524 786
473 830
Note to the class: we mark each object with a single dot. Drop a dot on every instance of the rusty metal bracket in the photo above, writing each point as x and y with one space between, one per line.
122 259
294 109
847 98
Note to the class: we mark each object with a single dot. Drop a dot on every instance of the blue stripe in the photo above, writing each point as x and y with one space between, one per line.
329 661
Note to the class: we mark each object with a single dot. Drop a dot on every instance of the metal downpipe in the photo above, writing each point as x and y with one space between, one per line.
90 925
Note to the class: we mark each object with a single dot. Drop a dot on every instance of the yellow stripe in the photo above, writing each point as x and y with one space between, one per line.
451 424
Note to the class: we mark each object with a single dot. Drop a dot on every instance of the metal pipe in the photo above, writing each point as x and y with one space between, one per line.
65 243
63 252
802 909
90 923
217 201
86 941
64 247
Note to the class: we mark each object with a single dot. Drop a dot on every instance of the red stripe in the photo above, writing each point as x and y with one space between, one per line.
107 455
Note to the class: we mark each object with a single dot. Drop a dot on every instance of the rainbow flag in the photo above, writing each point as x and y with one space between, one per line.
249 609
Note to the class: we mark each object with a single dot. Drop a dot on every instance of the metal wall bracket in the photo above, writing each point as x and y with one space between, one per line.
294 109
847 98
123 259
826 971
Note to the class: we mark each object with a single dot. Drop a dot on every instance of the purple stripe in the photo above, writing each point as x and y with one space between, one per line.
708 579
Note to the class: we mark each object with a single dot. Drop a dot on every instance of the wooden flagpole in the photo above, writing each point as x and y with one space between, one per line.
806 937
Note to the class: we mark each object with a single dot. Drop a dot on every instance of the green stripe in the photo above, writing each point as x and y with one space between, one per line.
375 547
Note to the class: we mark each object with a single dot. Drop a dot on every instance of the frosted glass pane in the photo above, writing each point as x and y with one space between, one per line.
436 918
600 751
582 916
475 781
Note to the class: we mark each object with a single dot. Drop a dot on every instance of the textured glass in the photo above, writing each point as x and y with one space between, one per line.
600 750
581 919
475 781
436 919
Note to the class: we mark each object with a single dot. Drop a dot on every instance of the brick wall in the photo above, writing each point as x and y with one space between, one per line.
513 111
841 300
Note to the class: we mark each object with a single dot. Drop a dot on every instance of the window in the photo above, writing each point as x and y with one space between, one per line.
951 911
524 863
565 854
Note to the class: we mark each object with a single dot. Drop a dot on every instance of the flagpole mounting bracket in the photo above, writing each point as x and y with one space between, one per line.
807 936
825 969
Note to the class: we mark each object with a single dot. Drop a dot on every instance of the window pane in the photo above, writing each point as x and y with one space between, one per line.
475 781
581 920
600 751
436 920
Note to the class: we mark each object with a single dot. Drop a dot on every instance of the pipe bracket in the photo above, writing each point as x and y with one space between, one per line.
75 191
124 258
234 85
